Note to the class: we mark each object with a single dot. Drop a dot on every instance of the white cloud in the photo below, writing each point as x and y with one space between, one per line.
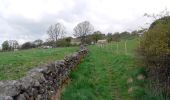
27 20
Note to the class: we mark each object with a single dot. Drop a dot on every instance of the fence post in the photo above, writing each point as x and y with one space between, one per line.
117 48
125 47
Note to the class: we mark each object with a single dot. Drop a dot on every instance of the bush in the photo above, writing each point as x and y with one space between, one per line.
66 42
28 45
155 48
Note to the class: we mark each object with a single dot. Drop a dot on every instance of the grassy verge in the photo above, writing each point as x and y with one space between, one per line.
106 74
14 65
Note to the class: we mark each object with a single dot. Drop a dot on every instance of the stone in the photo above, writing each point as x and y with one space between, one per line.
39 97
21 97
34 92
130 80
26 96
8 98
9 88
140 77
36 84
3 97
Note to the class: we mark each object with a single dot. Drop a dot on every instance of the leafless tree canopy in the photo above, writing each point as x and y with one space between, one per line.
83 29
56 31
13 44
161 14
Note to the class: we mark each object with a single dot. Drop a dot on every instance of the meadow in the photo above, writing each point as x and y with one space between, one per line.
108 73
111 72
14 65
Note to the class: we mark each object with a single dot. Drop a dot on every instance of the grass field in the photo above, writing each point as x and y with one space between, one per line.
14 65
104 75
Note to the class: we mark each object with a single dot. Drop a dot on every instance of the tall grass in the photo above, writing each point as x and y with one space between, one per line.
104 73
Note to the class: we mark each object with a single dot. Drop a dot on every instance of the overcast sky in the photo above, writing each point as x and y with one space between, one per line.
27 20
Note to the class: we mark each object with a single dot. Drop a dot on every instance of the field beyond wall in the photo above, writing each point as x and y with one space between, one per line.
14 65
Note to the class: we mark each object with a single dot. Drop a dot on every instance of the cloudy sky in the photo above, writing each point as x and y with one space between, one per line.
27 20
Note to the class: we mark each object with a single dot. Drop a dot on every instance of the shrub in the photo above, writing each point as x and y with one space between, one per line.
155 48
66 42
28 45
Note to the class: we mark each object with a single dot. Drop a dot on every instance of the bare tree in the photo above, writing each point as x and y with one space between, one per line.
13 44
83 29
56 31
161 14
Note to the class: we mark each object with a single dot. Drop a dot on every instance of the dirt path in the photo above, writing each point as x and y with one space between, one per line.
114 89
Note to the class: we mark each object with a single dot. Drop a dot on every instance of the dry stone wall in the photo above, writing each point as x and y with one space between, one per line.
41 83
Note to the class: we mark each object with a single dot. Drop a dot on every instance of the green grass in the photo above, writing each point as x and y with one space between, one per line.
14 65
104 73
